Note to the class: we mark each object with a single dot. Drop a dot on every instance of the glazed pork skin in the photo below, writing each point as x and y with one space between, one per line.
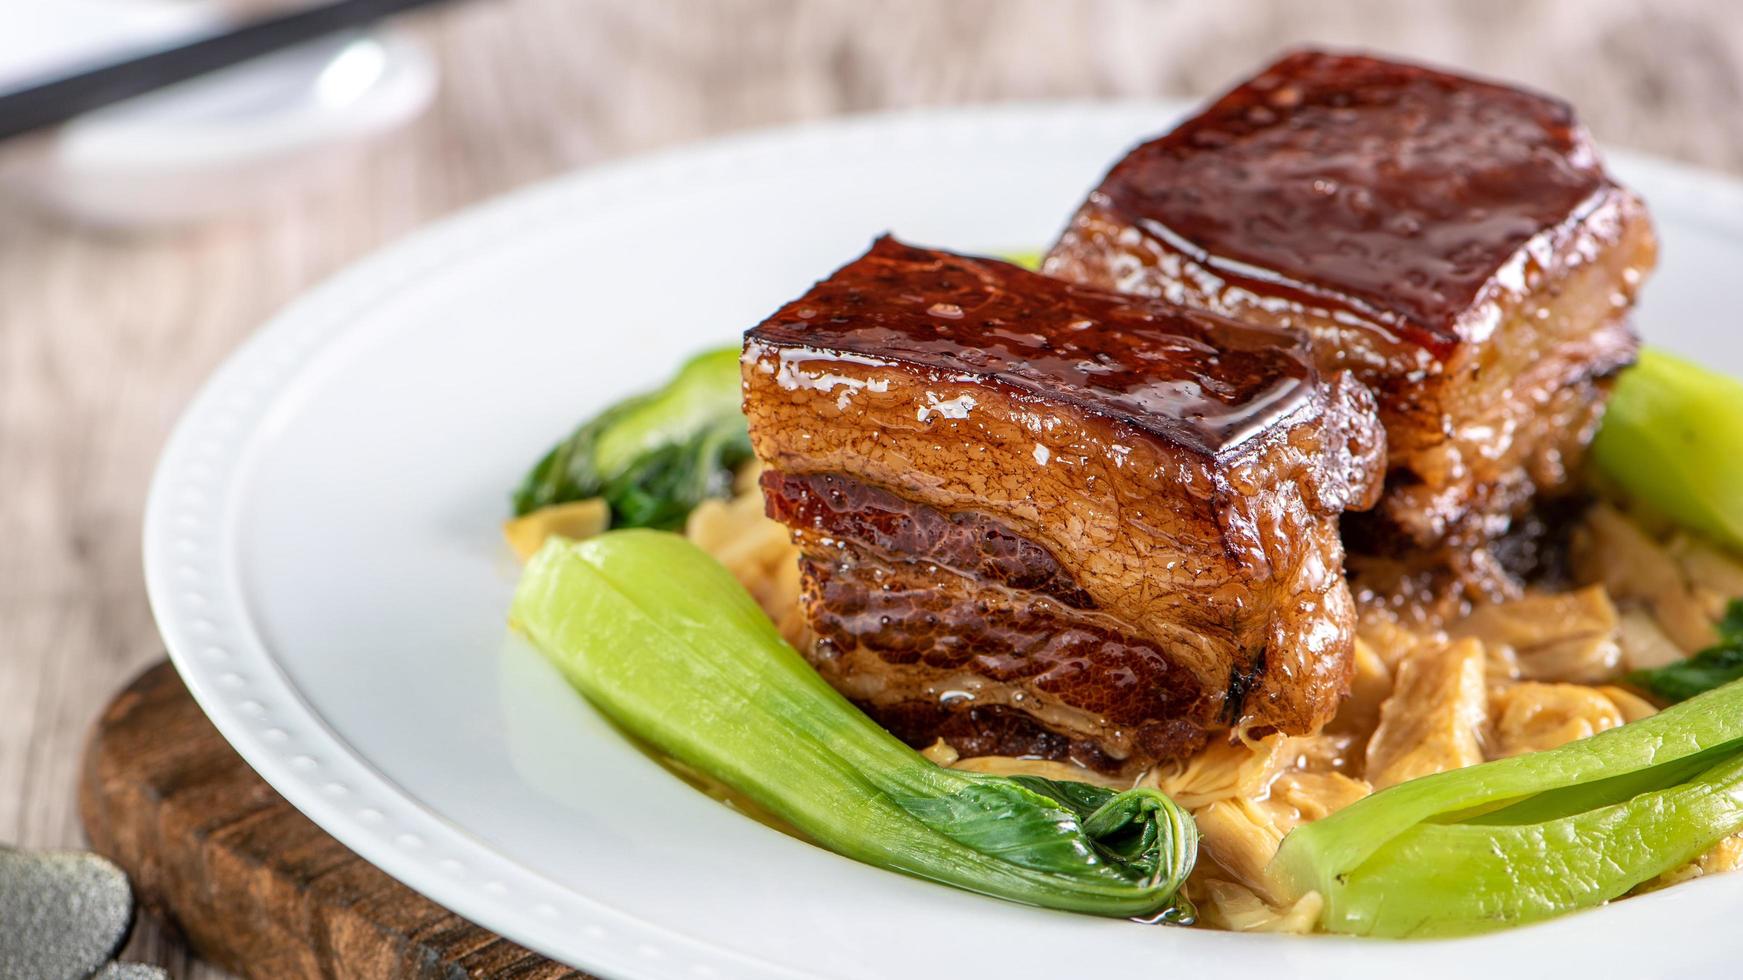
1037 519
1455 243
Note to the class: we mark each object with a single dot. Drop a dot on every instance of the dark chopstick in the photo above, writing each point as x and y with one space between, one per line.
63 98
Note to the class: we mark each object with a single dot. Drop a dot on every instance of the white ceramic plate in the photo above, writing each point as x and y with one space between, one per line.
323 557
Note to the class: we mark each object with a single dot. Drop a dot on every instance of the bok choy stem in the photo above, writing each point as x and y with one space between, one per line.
1672 437
1451 879
1532 836
667 644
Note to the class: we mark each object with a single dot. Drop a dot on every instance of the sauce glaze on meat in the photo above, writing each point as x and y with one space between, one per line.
1454 242
1039 517
1132 362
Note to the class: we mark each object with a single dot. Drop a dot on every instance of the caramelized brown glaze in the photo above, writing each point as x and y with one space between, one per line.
1455 243
1394 191
1204 383
989 522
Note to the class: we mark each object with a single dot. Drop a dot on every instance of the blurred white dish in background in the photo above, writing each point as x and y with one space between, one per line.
41 41
236 138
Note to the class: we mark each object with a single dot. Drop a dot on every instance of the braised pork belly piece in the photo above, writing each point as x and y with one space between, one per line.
1455 243
1045 520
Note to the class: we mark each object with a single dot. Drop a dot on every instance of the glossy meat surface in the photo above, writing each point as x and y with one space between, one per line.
1395 192
1136 363
1455 243
1040 518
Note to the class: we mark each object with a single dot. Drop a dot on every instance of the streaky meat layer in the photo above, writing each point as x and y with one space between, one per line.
1036 513
918 612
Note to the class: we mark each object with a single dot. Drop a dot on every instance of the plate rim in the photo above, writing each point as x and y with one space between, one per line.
242 688
199 472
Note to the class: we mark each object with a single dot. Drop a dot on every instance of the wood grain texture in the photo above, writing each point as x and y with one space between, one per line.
253 885
104 337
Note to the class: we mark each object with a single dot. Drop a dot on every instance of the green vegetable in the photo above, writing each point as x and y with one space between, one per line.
652 457
1028 260
668 645
1719 664
1529 837
1673 438
1454 879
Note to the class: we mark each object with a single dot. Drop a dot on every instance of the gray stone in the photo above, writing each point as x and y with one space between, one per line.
62 914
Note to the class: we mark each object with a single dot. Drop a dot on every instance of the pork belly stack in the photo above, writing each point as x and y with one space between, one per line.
1457 244
1040 519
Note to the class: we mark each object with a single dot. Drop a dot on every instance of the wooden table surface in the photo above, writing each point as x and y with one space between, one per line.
104 337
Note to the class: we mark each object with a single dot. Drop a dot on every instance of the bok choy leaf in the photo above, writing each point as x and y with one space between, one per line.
653 457
1452 879
668 645
1526 838
1719 664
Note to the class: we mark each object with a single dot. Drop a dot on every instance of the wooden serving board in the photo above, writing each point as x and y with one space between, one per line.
251 883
